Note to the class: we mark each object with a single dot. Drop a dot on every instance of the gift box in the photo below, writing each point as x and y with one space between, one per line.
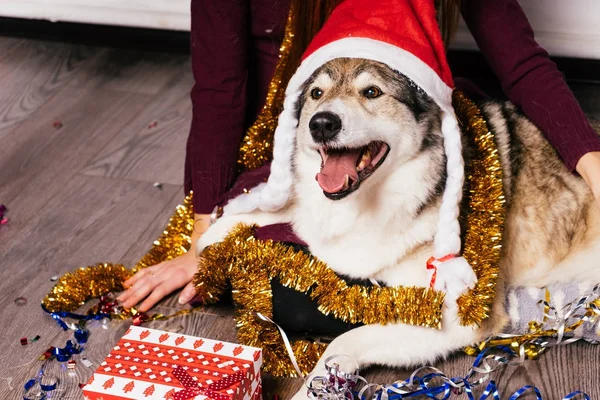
152 364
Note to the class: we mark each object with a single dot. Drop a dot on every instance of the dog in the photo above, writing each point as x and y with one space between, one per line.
369 170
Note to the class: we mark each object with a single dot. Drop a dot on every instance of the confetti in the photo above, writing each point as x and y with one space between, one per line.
54 278
71 364
153 125
57 125
20 301
3 219
23 341
158 185
36 338
86 362
47 354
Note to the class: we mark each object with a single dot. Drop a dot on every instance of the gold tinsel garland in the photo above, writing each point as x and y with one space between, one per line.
249 265
73 289
485 222
256 147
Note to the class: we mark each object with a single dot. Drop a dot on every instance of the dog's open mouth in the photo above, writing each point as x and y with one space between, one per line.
343 170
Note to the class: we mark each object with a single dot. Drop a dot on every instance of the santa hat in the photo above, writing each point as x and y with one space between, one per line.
404 35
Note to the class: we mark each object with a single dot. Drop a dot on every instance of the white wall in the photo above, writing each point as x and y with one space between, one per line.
569 28
564 27
160 14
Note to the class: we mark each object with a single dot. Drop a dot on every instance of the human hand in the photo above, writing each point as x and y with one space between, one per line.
589 169
155 282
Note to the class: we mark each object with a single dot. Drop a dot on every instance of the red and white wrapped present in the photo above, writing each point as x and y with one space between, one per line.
152 364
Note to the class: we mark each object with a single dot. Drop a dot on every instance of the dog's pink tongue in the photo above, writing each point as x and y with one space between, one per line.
333 174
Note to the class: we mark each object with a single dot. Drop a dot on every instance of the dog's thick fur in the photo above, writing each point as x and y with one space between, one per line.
384 230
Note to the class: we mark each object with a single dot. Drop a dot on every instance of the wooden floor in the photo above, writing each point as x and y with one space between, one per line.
84 193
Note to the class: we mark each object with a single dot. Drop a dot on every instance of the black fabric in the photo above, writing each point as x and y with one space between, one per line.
296 312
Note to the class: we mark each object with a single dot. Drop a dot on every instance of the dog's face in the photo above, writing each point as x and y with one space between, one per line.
358 122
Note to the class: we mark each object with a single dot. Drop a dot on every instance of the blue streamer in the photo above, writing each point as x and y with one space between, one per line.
63 355
524 389
58 315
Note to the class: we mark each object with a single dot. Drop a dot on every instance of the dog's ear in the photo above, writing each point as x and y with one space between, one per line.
301 100
415 98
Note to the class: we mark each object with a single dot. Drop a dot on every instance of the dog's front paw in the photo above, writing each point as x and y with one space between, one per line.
455 277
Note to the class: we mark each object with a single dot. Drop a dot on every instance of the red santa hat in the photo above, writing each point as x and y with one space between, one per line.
404 35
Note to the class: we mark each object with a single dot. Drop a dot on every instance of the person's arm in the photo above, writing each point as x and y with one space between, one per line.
226 50
220 47
532 81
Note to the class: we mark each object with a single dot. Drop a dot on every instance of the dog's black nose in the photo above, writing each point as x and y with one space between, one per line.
324 126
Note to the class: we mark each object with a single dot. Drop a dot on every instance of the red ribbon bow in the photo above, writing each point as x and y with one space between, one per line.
192 389
431 265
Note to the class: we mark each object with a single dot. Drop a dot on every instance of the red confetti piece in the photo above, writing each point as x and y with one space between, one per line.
57 125
3 219
140 318
153 125
20 301
47 354
23 341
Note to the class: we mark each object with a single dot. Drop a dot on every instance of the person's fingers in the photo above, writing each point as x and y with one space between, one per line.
141 289
150 272
141 274
173 281
157 294
187 294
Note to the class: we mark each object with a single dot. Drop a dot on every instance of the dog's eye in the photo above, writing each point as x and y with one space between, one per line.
372 92
316 93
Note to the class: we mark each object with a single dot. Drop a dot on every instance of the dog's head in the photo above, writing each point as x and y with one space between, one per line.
359 121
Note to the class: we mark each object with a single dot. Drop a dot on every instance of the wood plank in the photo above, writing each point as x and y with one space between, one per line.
133 71
35 73
152 147
37 160
82 194
7 44
100 215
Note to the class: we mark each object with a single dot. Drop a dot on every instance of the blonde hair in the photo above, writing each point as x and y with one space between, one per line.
448 17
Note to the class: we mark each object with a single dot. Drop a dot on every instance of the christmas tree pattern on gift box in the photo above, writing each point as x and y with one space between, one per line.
129 387
149 391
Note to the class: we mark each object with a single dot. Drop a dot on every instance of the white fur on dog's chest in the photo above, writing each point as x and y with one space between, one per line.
360 246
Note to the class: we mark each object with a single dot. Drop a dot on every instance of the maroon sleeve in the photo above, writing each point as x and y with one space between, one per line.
529 78
234 48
